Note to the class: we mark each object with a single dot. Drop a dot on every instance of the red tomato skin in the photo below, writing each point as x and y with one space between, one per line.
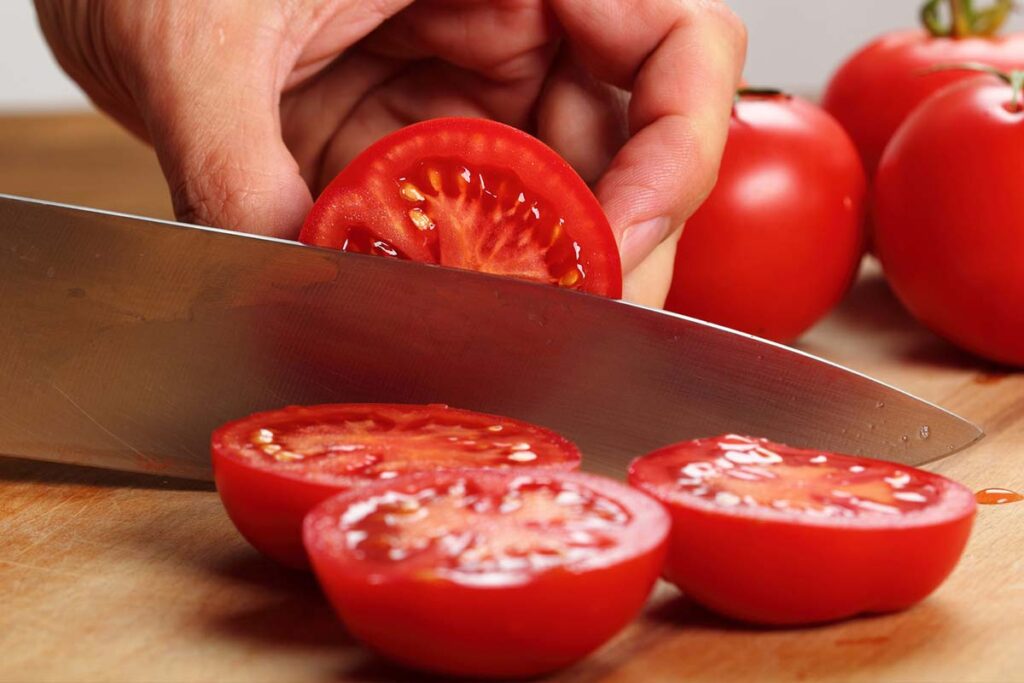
511 631
778 571
352 196
546 625
268 508
789 574
879 86
779 240
948 216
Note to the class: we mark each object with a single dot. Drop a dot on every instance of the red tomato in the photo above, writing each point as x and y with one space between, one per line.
272 468
487 573
775 535
880 85
949 215
473 194
778 241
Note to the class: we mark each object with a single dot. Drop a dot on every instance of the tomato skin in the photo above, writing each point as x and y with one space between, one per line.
268 507
516 630
879 86
948 218
771 570
778 242
789 574
365 193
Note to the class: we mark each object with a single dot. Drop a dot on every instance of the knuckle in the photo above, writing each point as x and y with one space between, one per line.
210 193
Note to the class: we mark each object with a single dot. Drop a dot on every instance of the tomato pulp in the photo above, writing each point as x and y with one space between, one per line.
948 217
777 243
272 468
472 194
488 573
770 534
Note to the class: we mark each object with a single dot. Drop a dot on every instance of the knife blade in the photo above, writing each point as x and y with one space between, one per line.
125 341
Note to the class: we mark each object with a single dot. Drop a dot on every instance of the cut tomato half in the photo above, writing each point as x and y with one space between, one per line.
771 534
472 194
488 573
272 468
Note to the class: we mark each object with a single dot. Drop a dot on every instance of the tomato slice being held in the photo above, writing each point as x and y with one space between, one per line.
272 468
770 534
472 194
488 573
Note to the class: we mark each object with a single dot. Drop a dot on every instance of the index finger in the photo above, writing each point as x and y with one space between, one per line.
682 61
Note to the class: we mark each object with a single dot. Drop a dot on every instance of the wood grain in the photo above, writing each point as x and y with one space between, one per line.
114 577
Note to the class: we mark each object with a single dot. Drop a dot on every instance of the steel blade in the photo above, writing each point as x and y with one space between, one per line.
125 341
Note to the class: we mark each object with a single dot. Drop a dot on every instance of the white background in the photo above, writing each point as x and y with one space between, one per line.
794 44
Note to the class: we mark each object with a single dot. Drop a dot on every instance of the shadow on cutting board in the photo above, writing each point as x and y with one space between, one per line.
873 641
300 618
16 469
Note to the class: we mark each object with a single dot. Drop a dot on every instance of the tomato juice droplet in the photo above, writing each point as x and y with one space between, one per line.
997 496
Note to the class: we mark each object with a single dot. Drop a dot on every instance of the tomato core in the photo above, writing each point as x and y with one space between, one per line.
531 526
478 218
739 472
378 443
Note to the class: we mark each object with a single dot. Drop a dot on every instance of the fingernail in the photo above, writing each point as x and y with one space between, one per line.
640 239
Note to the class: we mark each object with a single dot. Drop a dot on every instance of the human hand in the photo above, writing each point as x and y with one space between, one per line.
253 106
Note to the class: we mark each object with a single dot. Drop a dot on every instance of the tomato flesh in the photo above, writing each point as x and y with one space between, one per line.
487 573
272 468
470 194
767 533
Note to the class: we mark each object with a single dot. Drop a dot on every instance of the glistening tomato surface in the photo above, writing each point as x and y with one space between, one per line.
272 468
488 573
875 91
778 241
949 217
770 534
473 194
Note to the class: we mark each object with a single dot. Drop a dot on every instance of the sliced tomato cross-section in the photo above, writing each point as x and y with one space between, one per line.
272 468
767 533
472 194
488 573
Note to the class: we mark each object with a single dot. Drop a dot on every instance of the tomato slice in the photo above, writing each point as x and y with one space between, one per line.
272 468
486 572
472 194
771 534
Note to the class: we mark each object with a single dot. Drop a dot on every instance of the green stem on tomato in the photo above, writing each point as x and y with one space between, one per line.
1014 79
965 20
1017 85
761 92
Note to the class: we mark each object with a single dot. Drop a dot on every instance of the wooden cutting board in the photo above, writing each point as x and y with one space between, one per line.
114 577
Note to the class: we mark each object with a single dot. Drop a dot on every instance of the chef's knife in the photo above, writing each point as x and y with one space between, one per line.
124 341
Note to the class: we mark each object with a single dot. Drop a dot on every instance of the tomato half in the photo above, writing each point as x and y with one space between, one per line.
777 243
770 534
272 468
488 573
878 87
949 217
472 194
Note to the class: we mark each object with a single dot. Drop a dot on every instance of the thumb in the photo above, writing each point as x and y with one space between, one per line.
216 130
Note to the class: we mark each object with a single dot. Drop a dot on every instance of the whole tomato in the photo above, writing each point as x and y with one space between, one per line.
874 91
949 215
778 241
